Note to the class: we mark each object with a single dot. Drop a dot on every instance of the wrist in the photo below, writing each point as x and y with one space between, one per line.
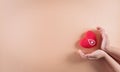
104 54
108 49
107 56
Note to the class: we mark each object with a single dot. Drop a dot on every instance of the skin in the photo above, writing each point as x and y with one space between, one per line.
106 47
111 55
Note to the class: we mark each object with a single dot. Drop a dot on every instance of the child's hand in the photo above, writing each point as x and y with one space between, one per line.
105 41
92 56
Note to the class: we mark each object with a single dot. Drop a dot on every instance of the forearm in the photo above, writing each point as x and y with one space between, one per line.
113 63
114 52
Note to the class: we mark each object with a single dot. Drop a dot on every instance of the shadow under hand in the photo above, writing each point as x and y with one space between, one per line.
75 58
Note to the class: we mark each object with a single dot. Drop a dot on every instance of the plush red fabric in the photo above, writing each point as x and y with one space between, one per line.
89 40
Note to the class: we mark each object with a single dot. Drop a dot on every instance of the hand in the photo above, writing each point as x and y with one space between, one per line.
98 53
105 41
93 56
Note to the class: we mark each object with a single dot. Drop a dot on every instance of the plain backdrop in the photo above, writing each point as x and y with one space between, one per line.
40 35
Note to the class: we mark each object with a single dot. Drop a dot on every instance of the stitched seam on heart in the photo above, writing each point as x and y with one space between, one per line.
91 40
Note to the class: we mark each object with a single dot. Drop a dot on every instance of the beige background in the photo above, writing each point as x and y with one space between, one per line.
40 35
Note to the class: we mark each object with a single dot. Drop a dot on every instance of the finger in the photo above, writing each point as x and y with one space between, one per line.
104 41
104 35
81 54
92 58
101 30
98 28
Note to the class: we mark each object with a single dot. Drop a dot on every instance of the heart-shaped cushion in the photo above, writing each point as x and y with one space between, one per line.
89 40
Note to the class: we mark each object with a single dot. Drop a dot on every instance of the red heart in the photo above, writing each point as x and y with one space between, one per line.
89 40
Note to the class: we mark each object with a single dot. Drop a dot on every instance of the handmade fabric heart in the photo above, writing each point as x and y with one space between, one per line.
89 40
